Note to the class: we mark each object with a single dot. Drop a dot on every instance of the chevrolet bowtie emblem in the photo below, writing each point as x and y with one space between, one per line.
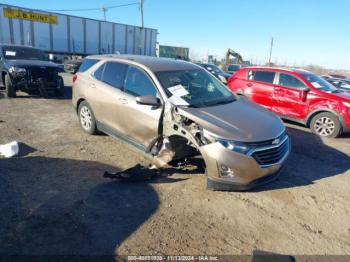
276 141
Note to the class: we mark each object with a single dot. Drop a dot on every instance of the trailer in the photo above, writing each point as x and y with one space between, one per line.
71 35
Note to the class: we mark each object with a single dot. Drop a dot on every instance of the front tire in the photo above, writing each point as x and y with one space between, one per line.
87 118
326 125
9 86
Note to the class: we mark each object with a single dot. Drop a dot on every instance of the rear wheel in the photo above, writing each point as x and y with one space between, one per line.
87 118
326 125
10 88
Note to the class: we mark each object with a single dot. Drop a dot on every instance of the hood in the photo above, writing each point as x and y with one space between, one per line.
239 121
31 63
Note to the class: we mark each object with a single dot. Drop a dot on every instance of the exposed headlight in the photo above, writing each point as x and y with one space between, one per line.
17 70
346 104
235 146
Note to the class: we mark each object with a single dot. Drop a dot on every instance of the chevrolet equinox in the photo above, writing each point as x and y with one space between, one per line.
172 109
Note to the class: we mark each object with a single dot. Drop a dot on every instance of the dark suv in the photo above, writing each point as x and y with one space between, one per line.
217 72
28 69
296 95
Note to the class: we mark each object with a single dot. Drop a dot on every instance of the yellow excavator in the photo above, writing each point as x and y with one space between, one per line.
230 52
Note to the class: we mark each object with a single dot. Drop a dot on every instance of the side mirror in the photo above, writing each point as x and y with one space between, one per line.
148 100
303 94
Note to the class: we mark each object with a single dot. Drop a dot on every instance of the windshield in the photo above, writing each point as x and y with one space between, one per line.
319 83
196 88
25 53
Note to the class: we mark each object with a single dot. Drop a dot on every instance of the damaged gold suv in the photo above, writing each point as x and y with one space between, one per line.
171 109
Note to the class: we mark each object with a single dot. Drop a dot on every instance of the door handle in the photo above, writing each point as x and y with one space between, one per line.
92 85
123 100
278 89
249 84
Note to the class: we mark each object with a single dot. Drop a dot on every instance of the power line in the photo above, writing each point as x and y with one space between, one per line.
91 9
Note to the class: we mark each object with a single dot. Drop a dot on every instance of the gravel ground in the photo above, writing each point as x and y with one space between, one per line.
54 199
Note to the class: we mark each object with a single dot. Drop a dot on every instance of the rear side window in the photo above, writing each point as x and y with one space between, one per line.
114 74
290 81
98 73
86 64
137 83
262 76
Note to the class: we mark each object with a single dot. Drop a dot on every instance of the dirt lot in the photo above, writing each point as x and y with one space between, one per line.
54 199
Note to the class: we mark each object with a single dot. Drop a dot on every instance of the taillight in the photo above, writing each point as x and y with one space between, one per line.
74 78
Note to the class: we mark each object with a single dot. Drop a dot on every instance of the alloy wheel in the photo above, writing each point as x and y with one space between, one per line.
85 118
324 126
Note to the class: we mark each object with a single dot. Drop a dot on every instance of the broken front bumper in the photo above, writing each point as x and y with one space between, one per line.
36 78
229 170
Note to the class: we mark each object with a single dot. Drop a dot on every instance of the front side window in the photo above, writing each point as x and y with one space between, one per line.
262 76
137 83
290 81
194 87
114 74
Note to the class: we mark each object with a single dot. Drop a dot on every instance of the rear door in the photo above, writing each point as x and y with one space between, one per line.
259 88
138 122
288 98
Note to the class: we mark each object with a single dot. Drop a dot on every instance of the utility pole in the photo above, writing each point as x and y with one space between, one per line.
141 10
29 38
104 10
271 51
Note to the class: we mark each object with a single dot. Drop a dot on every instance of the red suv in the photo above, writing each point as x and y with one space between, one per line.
296 95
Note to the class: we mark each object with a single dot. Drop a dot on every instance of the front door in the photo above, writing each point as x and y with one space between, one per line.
138 122
289 99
